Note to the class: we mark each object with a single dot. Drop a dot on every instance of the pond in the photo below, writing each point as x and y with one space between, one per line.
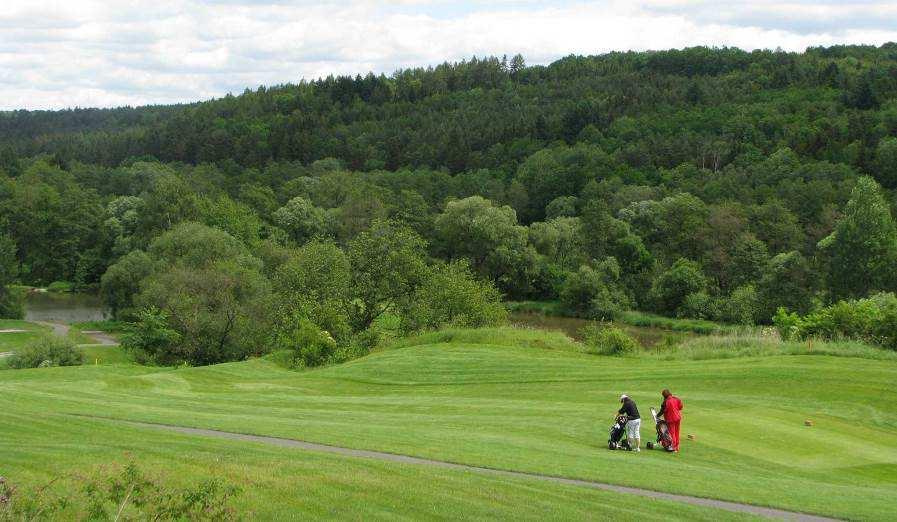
571 326
64 307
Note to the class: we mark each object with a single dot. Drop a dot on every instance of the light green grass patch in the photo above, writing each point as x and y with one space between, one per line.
758 345
528 401
104 354
9 341
109 326
289 484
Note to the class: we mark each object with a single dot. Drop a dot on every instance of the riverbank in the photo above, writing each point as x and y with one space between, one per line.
634 318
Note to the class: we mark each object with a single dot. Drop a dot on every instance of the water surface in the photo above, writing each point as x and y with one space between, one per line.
572 326
64 307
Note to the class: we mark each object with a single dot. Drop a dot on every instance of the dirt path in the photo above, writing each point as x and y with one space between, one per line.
59 329
100 337
406 459
62 330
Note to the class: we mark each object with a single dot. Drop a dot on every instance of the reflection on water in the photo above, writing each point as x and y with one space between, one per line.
64 307
571 326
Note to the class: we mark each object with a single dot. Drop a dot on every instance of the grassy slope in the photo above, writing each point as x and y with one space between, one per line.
526 408
635 318
104 354
284 484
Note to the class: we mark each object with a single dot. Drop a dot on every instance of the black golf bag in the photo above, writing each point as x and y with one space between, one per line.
663 433
617 439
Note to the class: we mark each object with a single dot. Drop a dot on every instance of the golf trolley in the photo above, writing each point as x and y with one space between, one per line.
664 439
617 432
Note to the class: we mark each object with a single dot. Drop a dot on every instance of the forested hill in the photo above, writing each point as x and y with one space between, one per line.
700 182
649 110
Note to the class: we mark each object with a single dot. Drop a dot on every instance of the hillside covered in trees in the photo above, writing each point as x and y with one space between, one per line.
707 183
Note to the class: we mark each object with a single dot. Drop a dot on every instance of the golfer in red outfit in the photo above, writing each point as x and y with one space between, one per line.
671 409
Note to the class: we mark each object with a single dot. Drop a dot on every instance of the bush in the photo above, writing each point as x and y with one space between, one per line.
61 287
47 351
119 493
788 324
151 339
698 305
608 340
872 320
309 345
741 307
450 295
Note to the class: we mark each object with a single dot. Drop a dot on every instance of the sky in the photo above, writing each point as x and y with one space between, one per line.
106 53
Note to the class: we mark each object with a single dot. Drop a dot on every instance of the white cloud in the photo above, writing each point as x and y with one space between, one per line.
56 54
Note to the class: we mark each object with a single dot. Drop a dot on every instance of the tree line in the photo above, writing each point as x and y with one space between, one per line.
707 183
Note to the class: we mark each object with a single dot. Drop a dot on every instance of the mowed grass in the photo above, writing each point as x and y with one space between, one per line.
521 400
288 484
9 341
104 354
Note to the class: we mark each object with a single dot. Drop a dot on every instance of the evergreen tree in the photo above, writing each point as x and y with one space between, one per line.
863 248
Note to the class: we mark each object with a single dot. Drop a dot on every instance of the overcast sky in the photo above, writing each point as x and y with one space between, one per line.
68 53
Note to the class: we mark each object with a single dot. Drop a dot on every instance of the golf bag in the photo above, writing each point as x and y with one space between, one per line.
663 433
617 439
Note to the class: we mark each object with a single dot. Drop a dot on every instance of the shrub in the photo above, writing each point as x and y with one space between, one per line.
788 324
608 340
873 320
885 331
151 339
741 307
47 351
119 493
450 295
60 286
310 346
698 305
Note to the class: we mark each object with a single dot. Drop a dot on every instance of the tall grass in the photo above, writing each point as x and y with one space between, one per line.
758 344
498 336
746 343
636 318
700 326
536 307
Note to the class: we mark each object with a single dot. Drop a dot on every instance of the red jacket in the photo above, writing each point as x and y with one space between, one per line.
671 408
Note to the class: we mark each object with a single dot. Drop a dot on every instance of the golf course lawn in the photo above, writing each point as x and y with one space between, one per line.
289 484
12 339
530 406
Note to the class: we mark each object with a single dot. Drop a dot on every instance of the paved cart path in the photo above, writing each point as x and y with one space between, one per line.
407 459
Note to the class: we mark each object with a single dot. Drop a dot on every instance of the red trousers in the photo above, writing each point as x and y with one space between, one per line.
674 433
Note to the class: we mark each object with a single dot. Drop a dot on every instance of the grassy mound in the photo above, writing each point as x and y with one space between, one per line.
506 398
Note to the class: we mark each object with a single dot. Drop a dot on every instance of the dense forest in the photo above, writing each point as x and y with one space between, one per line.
705 183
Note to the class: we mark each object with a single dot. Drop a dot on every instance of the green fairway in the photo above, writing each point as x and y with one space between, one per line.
280 484
529 403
